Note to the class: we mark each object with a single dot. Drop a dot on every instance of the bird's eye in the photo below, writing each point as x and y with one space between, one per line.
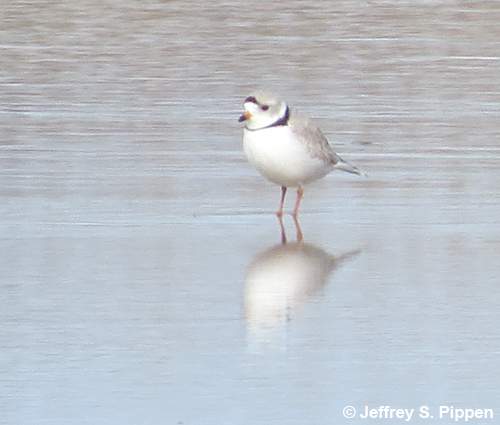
251 99
265 107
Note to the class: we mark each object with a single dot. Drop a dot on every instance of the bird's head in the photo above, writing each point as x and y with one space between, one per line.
262 110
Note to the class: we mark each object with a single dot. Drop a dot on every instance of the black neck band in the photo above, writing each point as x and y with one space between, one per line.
282 121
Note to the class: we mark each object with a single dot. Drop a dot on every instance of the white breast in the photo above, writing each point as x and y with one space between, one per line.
281 158
281 279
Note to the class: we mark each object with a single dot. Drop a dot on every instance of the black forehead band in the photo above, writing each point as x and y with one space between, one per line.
251 99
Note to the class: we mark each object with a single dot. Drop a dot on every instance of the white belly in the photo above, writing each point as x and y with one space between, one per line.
281 158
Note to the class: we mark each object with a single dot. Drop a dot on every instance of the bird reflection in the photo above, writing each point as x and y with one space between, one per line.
282 278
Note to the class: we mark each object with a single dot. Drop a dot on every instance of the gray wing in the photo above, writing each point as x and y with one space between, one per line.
310 134
317 143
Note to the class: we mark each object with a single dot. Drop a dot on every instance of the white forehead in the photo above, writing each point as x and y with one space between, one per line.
250 106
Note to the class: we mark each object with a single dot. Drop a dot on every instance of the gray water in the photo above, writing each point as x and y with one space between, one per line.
143 278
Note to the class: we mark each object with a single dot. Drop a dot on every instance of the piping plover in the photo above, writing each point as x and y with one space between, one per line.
281 279
286 147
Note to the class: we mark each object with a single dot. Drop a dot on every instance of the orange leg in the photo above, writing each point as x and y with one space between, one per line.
279 213
300 236
300 194
282 229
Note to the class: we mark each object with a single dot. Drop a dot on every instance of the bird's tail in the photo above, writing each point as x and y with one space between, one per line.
338 260
343 165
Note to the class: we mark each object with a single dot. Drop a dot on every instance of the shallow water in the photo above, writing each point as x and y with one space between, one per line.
143 277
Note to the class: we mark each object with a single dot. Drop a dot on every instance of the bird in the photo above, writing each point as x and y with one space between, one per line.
281 279
286 147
